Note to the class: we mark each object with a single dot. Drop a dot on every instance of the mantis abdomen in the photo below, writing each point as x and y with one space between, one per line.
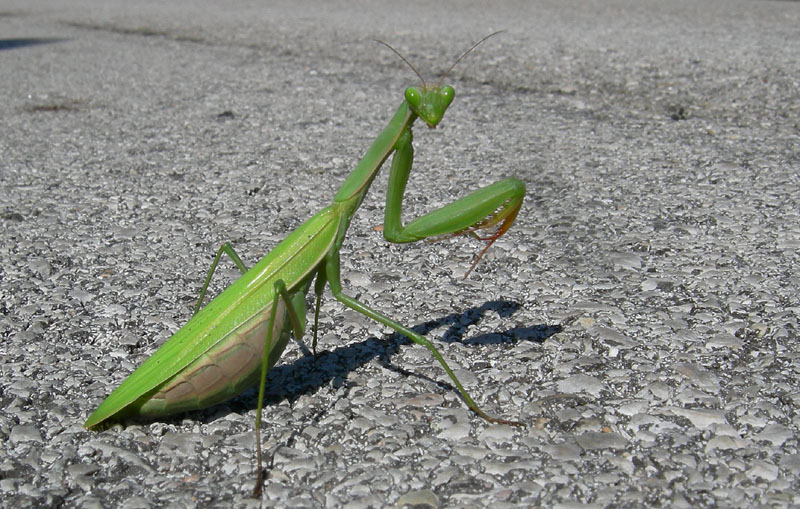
223 372
219 352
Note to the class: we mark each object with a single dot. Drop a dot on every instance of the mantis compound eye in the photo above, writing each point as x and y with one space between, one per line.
448 94
413 97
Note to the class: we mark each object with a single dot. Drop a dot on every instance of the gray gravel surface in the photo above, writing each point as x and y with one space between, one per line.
641 317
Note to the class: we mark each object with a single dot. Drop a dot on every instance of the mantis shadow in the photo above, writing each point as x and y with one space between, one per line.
308 374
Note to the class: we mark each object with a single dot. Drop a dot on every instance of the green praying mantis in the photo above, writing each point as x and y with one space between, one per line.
231 344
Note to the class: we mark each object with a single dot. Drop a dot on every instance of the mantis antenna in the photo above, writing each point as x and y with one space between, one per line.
404 60
459 59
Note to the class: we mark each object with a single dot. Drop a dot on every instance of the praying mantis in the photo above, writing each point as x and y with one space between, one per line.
231 344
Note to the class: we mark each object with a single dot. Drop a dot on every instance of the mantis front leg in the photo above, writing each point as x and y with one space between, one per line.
493 207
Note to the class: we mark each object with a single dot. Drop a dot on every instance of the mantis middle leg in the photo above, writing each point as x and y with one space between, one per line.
284 305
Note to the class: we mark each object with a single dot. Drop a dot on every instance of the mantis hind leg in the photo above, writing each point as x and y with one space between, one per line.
226 248
332 271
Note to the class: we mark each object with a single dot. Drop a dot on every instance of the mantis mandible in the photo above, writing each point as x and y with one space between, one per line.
229 345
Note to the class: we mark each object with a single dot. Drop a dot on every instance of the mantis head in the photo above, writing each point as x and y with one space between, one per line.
430 103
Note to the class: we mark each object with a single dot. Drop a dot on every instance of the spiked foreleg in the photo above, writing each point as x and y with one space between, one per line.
492 208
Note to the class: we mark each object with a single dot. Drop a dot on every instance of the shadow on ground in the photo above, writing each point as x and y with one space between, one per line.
309 374
24 42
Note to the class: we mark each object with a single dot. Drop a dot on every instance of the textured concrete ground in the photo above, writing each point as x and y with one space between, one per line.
641 317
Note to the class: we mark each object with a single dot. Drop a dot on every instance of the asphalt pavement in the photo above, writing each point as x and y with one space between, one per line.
640 318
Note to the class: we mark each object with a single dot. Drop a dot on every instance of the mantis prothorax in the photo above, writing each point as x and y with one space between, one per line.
231 344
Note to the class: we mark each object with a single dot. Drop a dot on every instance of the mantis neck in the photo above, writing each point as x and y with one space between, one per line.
357 184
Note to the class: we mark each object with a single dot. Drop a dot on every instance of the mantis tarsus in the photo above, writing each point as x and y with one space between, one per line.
231 344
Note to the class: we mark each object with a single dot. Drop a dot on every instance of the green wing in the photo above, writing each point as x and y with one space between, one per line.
292 261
